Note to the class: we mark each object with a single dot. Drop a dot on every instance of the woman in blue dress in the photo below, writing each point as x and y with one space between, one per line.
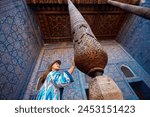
52 82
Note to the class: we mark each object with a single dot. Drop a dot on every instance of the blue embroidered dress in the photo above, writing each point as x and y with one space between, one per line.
52 87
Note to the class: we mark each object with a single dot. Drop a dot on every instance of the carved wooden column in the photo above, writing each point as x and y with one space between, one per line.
90 58
138 10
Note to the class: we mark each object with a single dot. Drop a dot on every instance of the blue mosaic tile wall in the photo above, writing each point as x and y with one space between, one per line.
20 45
135 38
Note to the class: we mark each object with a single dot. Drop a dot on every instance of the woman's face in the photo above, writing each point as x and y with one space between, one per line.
56 66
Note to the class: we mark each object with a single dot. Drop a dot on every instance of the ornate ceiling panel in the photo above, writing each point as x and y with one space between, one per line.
105 20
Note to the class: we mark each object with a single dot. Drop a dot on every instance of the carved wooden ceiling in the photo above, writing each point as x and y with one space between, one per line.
53 18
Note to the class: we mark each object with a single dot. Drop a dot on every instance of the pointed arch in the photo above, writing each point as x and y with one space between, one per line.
127 71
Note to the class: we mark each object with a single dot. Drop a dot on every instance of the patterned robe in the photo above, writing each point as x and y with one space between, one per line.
52 87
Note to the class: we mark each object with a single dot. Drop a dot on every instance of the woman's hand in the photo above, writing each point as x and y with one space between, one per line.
72 67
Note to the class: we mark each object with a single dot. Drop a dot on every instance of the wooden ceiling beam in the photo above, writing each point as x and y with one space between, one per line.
138 10
79 1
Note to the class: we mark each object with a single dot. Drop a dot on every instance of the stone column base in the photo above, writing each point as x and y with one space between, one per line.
104 88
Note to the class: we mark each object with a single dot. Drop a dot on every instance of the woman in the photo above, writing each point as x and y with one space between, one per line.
51 83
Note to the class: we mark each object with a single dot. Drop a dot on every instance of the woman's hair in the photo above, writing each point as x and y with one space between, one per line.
44 75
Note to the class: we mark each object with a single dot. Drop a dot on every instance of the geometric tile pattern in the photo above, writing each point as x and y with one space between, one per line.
135 38
116 54
19 49
58 53
117 57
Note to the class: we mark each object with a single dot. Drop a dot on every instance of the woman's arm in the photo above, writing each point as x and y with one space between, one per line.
72 67
64 79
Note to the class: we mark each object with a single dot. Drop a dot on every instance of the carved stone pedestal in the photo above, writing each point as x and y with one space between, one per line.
104 88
